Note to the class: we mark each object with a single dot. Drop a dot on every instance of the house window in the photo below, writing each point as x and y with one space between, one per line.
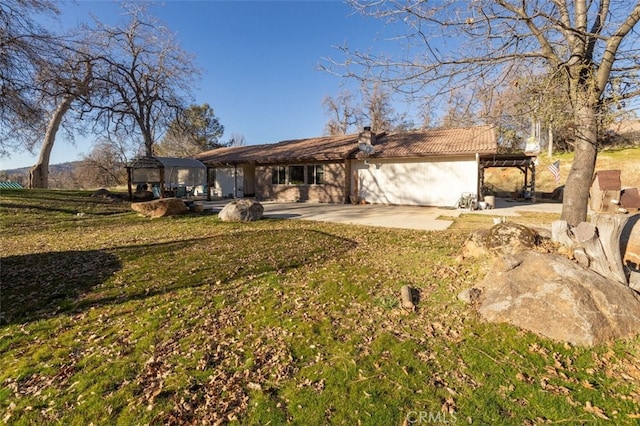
315 174
278 176
296 175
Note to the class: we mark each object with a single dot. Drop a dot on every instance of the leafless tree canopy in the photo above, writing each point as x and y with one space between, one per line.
237 139
450 45
104 166
342 113
146 78
128 81
24 50
374 109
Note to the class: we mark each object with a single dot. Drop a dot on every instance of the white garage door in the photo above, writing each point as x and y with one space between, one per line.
411 182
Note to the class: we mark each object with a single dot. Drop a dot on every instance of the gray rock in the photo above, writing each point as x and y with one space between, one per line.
241 211
557 298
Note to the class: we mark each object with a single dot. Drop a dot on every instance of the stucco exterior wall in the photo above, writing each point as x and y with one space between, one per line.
229 182
423 182
333 189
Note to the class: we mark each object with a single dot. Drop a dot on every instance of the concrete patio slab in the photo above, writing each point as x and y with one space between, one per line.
387 216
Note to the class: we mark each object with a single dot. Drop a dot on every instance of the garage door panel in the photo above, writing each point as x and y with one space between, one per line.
434 183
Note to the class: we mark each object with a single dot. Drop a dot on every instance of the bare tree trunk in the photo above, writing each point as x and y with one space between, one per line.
39 173
576 193
148 141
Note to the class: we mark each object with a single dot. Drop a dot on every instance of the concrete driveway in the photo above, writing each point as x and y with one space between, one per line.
404 217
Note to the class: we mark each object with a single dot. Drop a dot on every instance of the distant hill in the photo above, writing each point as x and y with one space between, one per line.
53 168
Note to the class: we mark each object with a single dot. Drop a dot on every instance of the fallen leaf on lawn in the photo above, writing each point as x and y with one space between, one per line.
593 409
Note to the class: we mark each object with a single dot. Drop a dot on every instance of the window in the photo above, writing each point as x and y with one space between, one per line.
278 176
315 174
296 175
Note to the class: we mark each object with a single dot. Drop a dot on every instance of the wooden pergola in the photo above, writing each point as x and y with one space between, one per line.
144 170
168 175
525 163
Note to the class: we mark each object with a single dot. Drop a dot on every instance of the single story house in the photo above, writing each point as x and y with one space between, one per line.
428 167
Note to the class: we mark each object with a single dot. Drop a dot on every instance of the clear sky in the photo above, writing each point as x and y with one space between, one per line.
259 60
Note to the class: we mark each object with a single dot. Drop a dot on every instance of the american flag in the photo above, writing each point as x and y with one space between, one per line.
555 170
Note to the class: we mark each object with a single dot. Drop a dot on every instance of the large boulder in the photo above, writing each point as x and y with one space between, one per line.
554 297
160 208
503 237
510 237
241 211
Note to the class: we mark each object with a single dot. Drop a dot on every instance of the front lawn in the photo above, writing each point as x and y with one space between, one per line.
112 318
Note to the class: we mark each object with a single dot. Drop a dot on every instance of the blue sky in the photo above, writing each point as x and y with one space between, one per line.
259 61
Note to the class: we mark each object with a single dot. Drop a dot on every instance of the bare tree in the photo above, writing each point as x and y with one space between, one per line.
130 80
461 111
103 166
374 110
61 83
42 75
343 113
378 110
146 76
451 45
24 49
237 139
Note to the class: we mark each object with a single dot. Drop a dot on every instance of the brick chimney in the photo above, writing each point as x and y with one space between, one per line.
367 136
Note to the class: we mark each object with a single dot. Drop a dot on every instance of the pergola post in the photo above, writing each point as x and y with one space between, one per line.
162 186
129 177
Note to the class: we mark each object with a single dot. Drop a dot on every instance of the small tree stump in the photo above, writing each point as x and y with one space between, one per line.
586 235
596 245
406 296
610 229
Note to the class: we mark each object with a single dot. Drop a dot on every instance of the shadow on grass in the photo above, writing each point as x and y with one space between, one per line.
40 285
44 285
38 208
65 210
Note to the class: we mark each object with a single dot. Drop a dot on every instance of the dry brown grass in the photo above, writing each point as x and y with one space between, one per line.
627 160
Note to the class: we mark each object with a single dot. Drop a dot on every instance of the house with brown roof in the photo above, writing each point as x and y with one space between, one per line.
427 167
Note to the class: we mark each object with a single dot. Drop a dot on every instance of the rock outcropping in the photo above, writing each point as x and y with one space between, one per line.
552 296
547 293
